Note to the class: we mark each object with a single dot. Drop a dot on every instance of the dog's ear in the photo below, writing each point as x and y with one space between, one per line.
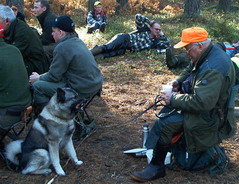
60 95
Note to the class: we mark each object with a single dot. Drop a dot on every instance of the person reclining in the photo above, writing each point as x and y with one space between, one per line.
144 38
205 88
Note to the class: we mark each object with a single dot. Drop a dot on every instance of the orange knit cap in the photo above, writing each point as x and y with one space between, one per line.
14 8
192 35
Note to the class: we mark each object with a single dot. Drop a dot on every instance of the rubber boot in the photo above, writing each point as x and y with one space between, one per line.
96 50
156 168
99 57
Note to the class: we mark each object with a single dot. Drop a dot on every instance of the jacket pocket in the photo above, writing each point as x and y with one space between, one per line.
205 135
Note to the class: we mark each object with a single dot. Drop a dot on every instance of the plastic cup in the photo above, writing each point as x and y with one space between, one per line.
167 88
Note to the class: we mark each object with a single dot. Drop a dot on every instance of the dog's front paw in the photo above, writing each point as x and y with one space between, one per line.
78 162
61 173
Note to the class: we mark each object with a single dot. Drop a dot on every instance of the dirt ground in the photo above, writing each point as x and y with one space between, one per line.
129 88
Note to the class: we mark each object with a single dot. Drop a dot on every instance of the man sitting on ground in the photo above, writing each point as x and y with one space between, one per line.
73 66
96 19
19 34
143 38
14 86
202 112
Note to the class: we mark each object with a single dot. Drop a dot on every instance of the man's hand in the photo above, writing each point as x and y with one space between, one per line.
34 77
167 96
151 22
175 85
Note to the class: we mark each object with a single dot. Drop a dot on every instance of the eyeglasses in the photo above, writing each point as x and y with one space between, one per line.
189 49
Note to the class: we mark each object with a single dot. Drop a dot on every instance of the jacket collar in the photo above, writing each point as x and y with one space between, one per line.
8 35
202 57
69 36
42 17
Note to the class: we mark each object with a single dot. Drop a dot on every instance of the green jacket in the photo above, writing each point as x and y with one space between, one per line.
14 85
44 20
204 107
23 37
74 64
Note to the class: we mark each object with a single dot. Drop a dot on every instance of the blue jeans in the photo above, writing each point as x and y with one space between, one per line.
164 129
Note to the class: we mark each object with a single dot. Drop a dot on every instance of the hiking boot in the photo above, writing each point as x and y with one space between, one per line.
102 28
151 172
99 57
171 60
96 50
90 30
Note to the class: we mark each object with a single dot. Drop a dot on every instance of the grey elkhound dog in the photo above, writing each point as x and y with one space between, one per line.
50 132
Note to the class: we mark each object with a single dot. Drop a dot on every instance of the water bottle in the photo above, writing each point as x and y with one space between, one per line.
145 133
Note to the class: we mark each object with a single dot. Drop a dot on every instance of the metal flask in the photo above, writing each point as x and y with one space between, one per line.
145 133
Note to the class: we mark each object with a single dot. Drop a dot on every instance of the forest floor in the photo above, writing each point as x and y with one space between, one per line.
130 86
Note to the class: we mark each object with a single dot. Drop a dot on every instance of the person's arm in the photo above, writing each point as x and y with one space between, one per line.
21 41
141 21
46 37
90 18
205 93
57 69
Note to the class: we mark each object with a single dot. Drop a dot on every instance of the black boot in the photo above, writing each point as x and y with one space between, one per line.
96 50
156 168
99 57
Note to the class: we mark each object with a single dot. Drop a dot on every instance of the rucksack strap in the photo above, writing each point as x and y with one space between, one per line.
221 162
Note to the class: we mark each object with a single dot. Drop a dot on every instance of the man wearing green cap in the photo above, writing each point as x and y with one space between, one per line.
201 106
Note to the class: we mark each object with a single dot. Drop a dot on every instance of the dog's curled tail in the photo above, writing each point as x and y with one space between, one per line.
12 150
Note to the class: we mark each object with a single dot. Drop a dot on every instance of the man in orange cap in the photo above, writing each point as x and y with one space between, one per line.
201 95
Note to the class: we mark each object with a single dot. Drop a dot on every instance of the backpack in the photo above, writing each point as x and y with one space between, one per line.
214 159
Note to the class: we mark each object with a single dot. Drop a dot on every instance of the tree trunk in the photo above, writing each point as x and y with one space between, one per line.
91 5
123 5
192 8
18 3
224 5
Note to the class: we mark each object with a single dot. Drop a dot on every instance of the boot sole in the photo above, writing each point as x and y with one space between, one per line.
141 180
135 178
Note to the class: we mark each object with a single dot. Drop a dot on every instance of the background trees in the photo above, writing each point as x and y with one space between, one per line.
224 5
192 7
80 8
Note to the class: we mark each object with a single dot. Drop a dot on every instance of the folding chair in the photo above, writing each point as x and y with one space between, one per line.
17 128
84 126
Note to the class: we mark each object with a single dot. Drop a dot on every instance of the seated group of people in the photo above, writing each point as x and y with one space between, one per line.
23 64
200 95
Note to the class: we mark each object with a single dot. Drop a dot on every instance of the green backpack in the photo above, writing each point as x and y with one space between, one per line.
214 159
